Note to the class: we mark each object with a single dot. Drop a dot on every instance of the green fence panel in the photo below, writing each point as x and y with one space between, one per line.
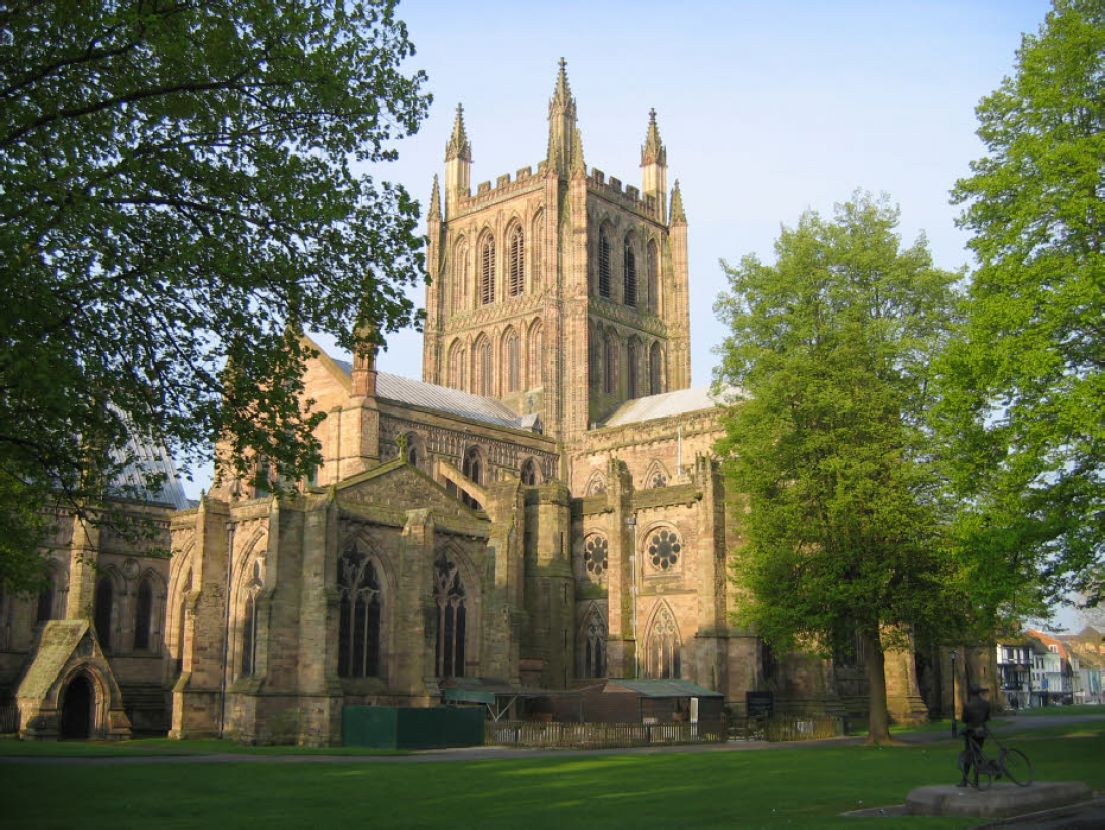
407 727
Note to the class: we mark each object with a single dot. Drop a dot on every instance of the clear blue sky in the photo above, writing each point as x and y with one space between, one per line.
767 109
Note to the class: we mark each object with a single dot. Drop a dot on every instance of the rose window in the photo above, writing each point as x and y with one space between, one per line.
594 554
664 548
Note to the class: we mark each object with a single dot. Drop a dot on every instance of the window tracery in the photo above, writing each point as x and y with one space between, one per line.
664 549
449 596
593 647
249 620
359 610
662 659
595 554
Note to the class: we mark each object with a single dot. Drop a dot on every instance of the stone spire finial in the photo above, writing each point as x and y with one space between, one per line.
458 146
678 214
435 202
562 93
653 151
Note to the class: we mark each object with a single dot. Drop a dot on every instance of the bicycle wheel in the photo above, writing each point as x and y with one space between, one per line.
1016 767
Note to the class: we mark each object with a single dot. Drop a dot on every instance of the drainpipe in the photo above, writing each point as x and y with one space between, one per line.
226 630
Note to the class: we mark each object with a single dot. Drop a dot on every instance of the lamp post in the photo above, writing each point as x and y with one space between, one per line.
955 726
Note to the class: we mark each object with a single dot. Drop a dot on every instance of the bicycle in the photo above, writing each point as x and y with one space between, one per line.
1010 763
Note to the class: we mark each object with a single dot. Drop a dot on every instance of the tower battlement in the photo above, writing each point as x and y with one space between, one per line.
562 291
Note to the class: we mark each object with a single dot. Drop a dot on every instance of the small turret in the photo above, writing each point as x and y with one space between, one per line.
458 164
654 167
562 124
364 370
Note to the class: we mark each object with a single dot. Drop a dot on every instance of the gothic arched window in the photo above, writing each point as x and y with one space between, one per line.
653 277
481 369
604 264
103 614
249 621
596 485
45 608
460 275
143 615
359 623
593 647
633 367
516 283
511 361
472 468
655 370
662 651
536 352
451 619
610 359
529 473
249 636
629 269
487 271
457 355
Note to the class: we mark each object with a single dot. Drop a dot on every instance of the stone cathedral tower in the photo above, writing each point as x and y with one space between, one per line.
563 293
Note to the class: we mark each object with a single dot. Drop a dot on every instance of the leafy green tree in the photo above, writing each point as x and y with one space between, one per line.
831 346
185 189
1022 385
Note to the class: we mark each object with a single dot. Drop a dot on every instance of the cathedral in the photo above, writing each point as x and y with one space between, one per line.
542 510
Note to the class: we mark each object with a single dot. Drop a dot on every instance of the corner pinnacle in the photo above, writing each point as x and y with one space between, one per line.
435 202
458 146
678 214
653 152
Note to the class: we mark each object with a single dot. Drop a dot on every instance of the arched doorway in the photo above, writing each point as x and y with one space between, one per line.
76 709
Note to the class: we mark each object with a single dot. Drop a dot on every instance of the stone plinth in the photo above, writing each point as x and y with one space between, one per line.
1000 801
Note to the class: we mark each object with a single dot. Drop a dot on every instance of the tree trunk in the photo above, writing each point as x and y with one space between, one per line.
878 722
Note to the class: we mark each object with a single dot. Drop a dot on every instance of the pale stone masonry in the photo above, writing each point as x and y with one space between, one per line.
542 510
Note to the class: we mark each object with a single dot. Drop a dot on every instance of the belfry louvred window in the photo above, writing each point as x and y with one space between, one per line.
517 262
604 265
487 271
630 281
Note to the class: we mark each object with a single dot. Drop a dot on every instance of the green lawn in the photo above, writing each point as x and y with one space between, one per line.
795 785
1049 711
